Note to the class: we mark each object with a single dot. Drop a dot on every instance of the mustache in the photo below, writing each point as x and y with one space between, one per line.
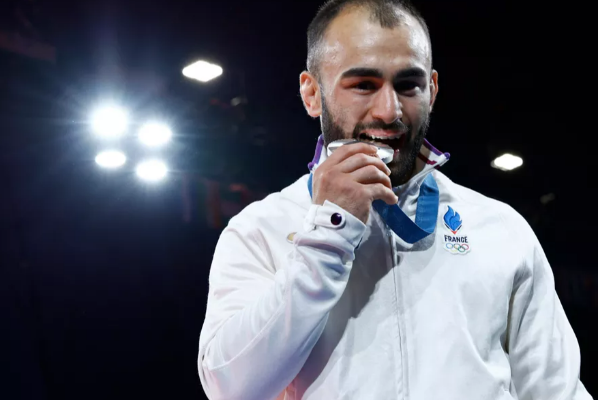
396 126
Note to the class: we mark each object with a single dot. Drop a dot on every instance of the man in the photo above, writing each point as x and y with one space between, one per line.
365 282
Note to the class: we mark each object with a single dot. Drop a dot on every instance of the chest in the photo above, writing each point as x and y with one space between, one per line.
468 265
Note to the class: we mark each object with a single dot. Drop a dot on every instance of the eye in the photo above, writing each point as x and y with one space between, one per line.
406 86
365 86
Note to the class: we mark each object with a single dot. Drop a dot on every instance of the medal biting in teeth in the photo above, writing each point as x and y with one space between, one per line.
384 152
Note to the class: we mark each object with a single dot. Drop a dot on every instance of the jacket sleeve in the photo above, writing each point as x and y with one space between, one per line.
543 350
261 324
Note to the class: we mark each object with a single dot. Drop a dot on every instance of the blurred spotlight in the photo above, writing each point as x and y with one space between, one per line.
507 162
152 170
154 134
202 71
110 159
109 121
547 198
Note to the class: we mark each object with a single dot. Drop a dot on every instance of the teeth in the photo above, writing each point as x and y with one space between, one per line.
398 136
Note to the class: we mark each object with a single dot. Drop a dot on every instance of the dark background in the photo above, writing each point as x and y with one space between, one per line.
103 279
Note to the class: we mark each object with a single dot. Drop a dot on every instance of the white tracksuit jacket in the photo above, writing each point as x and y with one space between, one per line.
353 312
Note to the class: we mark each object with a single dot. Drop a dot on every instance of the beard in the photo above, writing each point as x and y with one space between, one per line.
404 162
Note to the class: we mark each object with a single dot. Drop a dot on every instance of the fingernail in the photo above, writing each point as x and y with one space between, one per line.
389 171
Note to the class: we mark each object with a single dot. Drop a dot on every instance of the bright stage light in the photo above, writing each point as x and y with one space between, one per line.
111 159
154 134
152 170
109 121
202 71
507 162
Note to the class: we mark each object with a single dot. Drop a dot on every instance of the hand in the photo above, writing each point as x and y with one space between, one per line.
353 177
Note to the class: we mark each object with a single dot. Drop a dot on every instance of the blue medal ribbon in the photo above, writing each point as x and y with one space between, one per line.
425 220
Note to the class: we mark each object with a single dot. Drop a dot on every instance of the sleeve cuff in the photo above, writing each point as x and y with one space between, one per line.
333 217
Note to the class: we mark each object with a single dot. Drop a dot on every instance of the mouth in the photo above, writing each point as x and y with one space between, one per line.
393 139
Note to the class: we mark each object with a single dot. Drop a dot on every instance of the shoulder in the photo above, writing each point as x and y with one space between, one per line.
275 210
253 233
486 210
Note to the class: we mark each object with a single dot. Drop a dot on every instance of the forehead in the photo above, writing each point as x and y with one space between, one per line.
354 39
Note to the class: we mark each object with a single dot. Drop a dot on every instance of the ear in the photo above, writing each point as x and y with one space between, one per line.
433 89
311 94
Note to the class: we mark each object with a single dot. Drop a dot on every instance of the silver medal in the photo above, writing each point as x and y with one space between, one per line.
384 152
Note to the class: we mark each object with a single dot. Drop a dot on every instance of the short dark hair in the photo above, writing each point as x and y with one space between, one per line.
382 11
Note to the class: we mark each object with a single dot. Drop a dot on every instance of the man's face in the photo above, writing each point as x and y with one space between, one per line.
376 85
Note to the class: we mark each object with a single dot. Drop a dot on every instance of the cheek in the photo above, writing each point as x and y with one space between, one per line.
349 110
354 109
415 111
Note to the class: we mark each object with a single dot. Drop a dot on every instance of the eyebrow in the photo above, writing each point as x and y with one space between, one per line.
413 72
362 73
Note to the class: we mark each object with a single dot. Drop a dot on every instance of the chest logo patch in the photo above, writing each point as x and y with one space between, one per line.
454 243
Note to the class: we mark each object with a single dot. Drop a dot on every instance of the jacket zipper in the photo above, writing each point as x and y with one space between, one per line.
394 255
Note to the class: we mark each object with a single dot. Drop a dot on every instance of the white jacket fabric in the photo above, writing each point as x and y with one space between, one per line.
299 308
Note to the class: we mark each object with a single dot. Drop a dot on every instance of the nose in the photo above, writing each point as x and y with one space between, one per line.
387 106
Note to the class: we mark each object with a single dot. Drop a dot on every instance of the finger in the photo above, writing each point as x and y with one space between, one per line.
361 160
382 192
371 174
